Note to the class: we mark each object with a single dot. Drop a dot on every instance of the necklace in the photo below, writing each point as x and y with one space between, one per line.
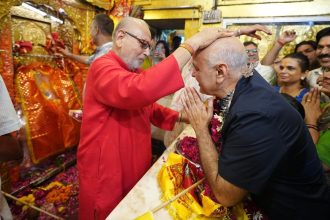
249 70
222 105
220 110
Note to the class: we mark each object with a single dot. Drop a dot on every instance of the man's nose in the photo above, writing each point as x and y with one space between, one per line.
283 70
146 52
325 50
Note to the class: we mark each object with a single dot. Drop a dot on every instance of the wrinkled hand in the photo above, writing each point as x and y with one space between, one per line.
325 83
288 36
251 31
199 116
311 103
207 36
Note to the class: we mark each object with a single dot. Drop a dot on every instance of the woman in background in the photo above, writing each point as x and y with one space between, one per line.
161 52
291 75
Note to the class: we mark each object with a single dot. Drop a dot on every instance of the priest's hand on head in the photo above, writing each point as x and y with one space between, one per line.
207 36
252 31
198 114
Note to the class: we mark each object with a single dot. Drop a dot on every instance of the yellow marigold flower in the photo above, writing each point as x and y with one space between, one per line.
26 199
51 185
60 209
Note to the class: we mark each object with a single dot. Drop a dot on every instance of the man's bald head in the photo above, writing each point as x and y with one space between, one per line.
132 24
218 67
229 51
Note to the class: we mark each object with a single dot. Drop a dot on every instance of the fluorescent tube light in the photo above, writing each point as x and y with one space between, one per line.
42 13
56 19
31 8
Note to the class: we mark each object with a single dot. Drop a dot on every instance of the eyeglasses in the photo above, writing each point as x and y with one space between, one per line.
143 43
252 51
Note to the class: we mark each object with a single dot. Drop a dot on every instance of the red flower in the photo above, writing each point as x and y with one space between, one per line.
188 147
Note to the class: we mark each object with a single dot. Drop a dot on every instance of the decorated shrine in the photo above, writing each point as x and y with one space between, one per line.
44 86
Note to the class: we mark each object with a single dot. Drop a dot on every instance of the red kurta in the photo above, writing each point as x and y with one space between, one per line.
115 144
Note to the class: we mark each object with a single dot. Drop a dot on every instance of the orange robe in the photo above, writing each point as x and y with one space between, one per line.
115 143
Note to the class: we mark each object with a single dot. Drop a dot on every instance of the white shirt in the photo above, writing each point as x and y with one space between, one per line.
267 72
100 51
9 122
4 208
312 77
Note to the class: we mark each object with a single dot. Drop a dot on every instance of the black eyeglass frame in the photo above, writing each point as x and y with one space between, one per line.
143 43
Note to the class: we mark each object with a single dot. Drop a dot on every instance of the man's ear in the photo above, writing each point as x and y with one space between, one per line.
97 29
222 73
119 38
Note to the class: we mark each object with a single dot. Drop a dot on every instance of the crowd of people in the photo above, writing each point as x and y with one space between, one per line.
275 149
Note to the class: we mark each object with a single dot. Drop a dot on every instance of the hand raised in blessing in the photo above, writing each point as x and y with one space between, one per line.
252 31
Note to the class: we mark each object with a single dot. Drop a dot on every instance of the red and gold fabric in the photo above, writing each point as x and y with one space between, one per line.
78 73
121 8
46 94
6 59
171 180
105 4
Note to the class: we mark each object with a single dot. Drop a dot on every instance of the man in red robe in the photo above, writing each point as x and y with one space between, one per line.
119 105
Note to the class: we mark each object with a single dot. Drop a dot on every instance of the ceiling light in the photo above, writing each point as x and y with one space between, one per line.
42 13
31 8
56 19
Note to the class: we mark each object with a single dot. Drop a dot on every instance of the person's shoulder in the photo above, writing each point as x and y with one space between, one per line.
316 71
104 49
304 91
265 107
105 60
258 84
257 95
9 121
109 45
262 69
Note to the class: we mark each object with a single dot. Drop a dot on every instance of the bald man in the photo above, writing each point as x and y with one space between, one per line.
266 151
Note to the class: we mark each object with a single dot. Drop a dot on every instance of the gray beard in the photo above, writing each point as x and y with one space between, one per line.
135 65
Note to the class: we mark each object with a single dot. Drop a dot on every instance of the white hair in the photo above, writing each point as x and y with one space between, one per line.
233 55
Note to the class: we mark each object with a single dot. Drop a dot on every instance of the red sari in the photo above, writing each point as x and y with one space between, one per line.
115 144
